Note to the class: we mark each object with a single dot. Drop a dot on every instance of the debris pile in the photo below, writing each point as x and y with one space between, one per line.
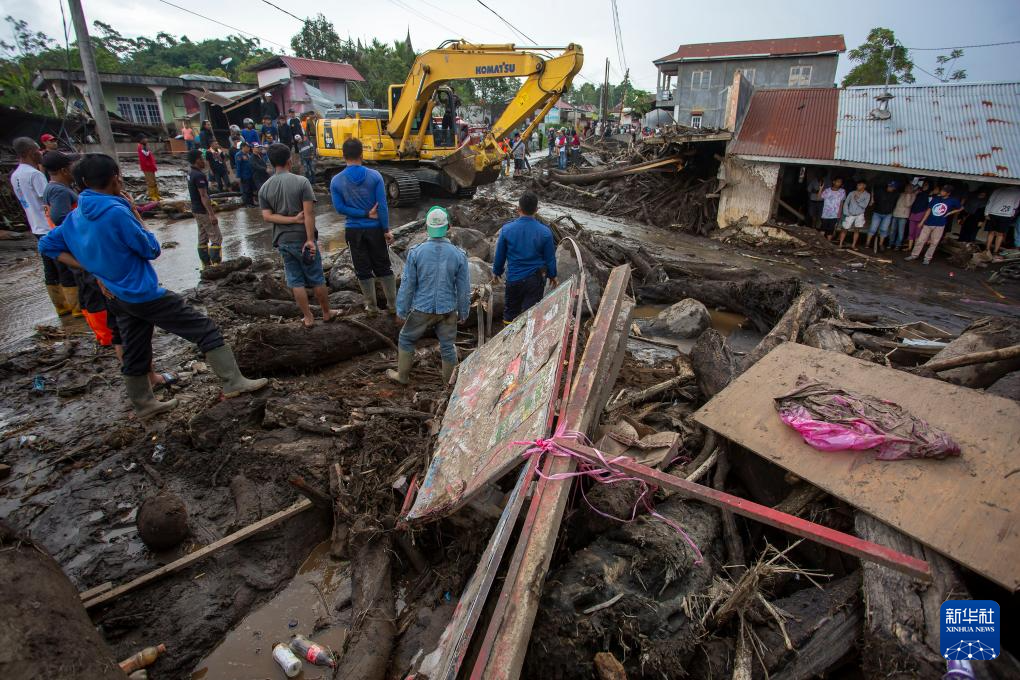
662 181
603 515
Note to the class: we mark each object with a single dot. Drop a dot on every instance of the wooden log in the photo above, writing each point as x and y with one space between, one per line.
793 211
372 636
41 606
655 390
201 553
267 348
902 621
215 272
938 365
810 306
320 499
598 176
984 335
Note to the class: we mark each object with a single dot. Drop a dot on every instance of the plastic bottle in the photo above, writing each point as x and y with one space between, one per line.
290 664
142 659
311 652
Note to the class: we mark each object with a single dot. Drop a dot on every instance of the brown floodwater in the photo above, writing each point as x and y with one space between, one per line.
247 651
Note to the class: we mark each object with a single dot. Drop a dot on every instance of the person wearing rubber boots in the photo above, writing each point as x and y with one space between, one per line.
210 240
359 193
435 292
103 236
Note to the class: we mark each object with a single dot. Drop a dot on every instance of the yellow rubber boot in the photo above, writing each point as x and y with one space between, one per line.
57 298
71 298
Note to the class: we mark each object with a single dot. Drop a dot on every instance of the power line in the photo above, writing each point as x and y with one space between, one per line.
215 21
512 27
619 35
400 4
467 21
963 47
285 11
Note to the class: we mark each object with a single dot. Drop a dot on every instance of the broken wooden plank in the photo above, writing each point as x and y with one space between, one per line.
501 655
838 540
958 506
201 553
504 393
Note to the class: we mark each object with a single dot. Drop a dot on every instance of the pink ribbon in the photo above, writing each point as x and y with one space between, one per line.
603 473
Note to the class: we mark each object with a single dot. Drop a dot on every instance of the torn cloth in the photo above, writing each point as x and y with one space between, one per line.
832 419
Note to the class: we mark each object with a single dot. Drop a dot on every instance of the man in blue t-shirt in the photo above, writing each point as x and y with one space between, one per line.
941 208
526 249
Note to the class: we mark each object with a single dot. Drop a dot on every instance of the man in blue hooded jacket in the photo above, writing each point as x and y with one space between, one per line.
104 236
435 292
359 193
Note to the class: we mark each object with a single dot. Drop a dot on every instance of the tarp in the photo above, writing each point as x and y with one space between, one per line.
221 98
320 102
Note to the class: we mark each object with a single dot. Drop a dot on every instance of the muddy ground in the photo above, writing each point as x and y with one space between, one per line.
81 464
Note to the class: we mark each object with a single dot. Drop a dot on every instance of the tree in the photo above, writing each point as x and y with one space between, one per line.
872 61
945 71
318 39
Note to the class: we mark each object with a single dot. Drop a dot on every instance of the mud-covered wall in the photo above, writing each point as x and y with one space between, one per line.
749 191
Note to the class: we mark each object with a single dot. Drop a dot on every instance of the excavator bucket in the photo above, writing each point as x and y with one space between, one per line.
462 168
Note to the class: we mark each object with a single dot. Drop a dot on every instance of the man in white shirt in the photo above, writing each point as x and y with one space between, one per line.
29 183
1001 211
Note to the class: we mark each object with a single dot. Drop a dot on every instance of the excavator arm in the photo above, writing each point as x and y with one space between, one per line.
546 79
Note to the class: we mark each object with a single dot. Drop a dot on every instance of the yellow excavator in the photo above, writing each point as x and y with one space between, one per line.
405 145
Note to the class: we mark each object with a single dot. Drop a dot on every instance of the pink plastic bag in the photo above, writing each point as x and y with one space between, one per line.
832 419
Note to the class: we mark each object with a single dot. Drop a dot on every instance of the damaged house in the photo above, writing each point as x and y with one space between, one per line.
963 133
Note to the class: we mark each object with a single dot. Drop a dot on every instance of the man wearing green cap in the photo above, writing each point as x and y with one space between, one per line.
435 291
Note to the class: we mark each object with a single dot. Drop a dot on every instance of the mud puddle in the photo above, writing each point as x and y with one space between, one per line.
653 349
247 651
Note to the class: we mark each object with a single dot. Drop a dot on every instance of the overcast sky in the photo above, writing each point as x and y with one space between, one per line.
650 28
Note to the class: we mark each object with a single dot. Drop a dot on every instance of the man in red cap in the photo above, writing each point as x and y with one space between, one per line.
49 142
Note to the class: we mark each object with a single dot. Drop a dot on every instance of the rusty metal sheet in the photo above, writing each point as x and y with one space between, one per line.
794 123
504 393
966 508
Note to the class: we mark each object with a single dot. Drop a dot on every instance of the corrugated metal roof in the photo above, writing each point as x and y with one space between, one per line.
789 123
971 129
814 44
311 68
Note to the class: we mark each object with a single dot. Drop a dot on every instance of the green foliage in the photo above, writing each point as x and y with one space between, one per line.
945 71
872 60
162 55
318 39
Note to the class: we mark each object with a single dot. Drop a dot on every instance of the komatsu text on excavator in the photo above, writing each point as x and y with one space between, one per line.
403 143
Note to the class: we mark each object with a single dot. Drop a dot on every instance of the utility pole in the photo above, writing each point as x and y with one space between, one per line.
604 100
95 88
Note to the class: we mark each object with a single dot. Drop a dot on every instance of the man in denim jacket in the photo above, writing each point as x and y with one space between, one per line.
435 291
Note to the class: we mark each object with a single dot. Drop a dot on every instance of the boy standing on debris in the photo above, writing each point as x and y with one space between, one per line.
288 203
881 219
525 248
210 249
832 206
853 210
435 292
359 193
933 224
104 236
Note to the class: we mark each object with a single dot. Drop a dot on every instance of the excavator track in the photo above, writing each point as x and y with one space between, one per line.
466 192
402 188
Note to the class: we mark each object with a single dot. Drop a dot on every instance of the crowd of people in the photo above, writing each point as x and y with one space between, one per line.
913 215
97 257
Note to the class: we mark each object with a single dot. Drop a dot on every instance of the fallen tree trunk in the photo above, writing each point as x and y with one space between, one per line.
264 309
593 177
810 306
761 300
902 622
373 631
990 333
220 271
45 631
267 348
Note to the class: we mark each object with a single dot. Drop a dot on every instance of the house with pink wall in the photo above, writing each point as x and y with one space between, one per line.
290 75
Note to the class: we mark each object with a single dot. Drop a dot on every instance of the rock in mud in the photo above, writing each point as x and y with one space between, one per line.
686 319
981 336
162 521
